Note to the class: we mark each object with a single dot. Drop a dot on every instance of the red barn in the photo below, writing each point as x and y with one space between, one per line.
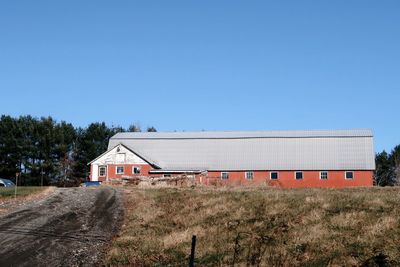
328 158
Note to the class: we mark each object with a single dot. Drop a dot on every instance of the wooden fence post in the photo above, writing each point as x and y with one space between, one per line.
191 260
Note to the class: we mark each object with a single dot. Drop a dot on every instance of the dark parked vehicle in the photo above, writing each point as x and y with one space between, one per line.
90 183
6 183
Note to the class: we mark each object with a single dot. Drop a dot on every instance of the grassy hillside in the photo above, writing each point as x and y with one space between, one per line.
267 227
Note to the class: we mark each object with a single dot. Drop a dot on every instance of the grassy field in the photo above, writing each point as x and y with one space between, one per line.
259 227
23 191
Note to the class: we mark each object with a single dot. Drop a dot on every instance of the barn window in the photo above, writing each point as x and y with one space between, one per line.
136 170
102 171
120 169
120 157
274 175
299 175
225 175
249 175
167 175
349 175
323 175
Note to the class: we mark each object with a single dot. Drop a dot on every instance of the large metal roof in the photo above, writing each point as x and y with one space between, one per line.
260 150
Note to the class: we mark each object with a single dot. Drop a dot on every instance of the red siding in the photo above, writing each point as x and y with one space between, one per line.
236 178
128 171
336 179
286 179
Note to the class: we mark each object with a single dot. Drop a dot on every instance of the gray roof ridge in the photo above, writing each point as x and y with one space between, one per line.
365 132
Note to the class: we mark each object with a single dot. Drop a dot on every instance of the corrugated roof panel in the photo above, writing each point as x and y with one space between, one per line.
301 150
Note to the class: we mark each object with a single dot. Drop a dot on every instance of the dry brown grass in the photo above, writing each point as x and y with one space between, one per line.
259 227
25 194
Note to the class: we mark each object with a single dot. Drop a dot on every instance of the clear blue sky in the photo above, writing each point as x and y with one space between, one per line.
205 65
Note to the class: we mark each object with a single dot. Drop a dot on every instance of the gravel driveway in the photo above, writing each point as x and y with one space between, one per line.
69 228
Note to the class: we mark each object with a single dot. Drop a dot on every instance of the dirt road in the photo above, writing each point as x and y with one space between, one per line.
69 228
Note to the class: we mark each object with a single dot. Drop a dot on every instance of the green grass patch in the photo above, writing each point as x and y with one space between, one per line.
22 191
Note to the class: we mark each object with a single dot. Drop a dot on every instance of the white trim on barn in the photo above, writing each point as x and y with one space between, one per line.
118 155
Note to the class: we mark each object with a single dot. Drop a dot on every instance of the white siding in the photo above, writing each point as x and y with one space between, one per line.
95 172
123 156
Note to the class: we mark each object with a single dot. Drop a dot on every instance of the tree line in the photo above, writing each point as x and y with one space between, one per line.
387 171
44 151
